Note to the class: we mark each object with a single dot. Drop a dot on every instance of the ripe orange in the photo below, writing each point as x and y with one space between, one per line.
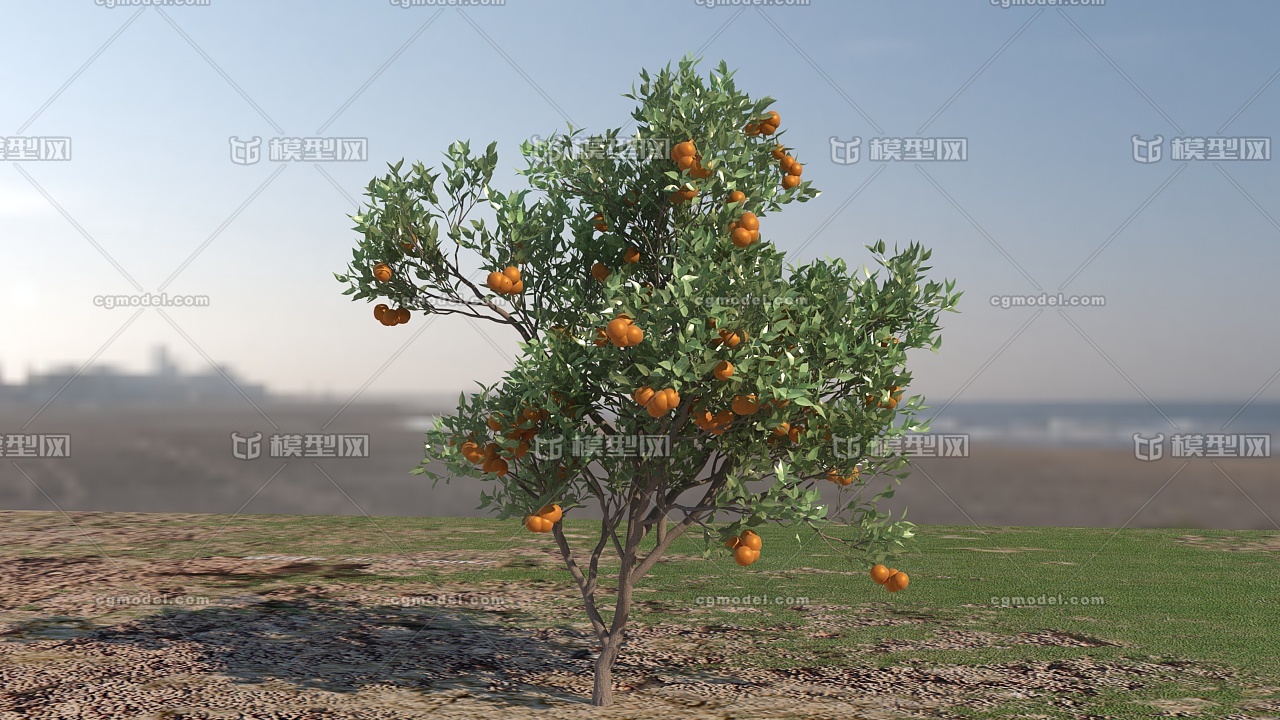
736 196
879 573
794 434
634 336
782 430
795 169
721 422
599 223
498 467
732 339
643 395
790 181
683 149
402 316
379 311
500 282
616 329
600 272
685 162
552 513
897 581
786 162
382 272
512 273
772 118
752 129
732 542
538 524
745 404
751 540
631 256
745 556
749 221
723 370
602 338
778 152
741 237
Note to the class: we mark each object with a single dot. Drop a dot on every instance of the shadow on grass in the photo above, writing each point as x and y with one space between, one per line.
340 647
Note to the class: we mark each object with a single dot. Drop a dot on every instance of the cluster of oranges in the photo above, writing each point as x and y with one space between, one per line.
657 402
715 424
788 431
543 520
382 272
843 480
767 126
745 230
686 157
523 430
745 547
723 370
892 580
620 331
730 338
389 317
895 397
745 405
507 282
791 168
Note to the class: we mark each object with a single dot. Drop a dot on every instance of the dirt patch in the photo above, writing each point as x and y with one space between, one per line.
1232 544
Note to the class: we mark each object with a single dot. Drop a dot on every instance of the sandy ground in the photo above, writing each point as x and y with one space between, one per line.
180 461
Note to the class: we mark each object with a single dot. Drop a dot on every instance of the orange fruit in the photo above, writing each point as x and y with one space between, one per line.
602 338
643 395
699 171
732 339
551 513
897 581
498 467
745 404
600 272
772 118
879 573
382 272
616 329
685 162
751 540
634 336
745 556
786 162
517 287
790 181
752 129
732 542
512 273
631 256
795 169
749 221
402 316
599 223
778 152
723 370
782 430
495 281
379 311
683 149
736 196
794 434
538 524
741 237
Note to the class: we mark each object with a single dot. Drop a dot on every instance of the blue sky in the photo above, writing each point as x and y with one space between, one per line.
1047 98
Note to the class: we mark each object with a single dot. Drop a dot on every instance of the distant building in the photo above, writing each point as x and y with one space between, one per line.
103 385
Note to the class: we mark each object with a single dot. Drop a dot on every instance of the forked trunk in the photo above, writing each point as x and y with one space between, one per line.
602 695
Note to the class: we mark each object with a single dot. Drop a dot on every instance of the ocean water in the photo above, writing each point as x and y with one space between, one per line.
1109 425
1098 424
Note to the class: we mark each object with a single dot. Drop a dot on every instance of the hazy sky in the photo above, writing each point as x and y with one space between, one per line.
1048 99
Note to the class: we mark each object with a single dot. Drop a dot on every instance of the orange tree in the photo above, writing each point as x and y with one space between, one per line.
698 379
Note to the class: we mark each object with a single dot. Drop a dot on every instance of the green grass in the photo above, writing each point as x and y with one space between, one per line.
1162 600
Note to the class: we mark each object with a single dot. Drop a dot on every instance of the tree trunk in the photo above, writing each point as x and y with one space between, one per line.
602 695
